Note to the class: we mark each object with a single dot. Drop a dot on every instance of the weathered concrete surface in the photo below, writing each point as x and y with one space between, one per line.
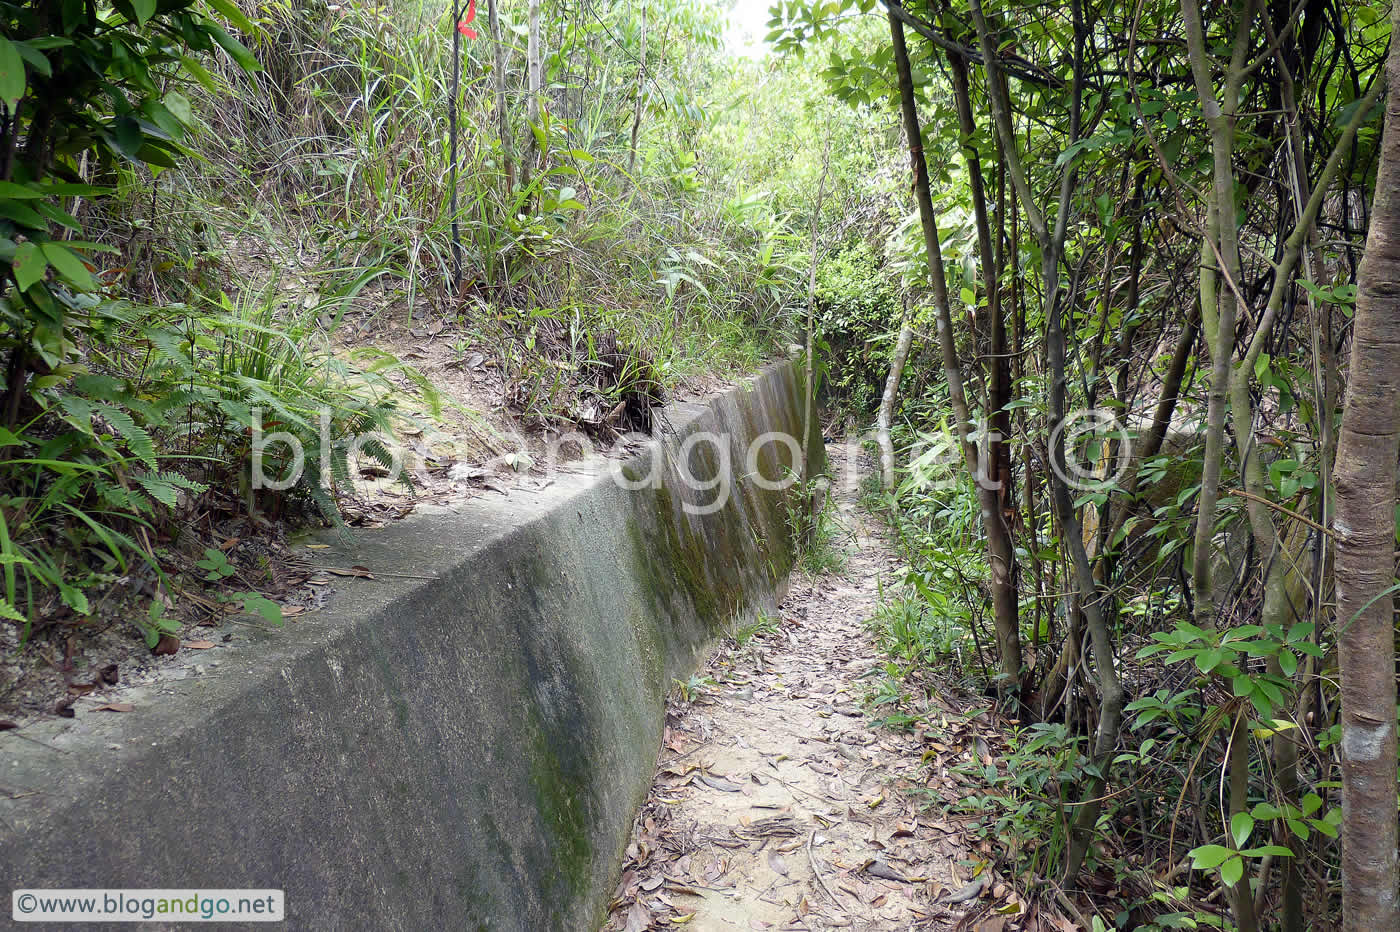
462 751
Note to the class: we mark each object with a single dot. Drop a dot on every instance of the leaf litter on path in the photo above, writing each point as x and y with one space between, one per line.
779 805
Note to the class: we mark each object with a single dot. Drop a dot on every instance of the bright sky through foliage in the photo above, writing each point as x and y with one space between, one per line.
748 22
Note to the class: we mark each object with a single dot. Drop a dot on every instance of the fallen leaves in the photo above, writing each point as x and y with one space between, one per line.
115 707
793 762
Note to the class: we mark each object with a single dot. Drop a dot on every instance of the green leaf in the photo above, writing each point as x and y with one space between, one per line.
19 192
270 610
136 437
29 265
1241 826
21 214
234 15
74 598
11 75
160 489
144 10
179 106
8 611
236 50
1208 856
1278 851
68 264
200 74
1231 871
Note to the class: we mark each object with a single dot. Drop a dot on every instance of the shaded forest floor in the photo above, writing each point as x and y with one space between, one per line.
779 804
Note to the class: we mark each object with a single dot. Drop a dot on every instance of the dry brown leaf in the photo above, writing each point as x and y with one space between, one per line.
197 645
359 572
115 707
719 783
638 918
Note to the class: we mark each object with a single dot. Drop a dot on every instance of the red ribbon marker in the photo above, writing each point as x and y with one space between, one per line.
462 26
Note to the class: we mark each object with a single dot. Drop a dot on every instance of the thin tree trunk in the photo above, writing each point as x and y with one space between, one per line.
886 415
998 540
532 100
1365 562
452 147
1221 259
502 119
810 402
1052 245
1006 597
637 104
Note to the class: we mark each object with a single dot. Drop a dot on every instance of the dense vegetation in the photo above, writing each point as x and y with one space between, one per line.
1156 212
1145 340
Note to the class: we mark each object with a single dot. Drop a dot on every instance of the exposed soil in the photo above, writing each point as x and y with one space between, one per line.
481 445
778 804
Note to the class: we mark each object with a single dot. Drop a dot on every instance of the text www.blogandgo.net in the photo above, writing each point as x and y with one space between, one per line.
113 905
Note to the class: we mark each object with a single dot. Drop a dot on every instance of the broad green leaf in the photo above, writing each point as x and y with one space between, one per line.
11 74
29 265
1278 851
19 192
234 15
144 10
236 50
1208 856
1231 871
68 264
22 214
1241 826
179 105
200 74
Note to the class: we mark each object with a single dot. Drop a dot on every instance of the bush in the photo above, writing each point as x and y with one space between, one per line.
858 312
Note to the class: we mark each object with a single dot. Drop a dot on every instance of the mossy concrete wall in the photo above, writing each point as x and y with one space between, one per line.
465 750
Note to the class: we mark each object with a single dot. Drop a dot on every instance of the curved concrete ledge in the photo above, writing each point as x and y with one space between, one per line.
465 750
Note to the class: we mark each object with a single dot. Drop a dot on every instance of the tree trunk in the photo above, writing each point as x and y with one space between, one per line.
502 121
999 550
637 104
882 430
810 402
1365 563
532 100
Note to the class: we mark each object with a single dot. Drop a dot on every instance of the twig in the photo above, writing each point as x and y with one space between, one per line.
1287 511
369 574
816 872
1073 910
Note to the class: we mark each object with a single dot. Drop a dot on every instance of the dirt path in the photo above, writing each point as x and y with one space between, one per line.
777 803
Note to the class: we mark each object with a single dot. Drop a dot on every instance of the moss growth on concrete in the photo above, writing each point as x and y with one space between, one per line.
562 785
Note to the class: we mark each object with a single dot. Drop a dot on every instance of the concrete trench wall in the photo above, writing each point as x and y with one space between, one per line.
462 751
